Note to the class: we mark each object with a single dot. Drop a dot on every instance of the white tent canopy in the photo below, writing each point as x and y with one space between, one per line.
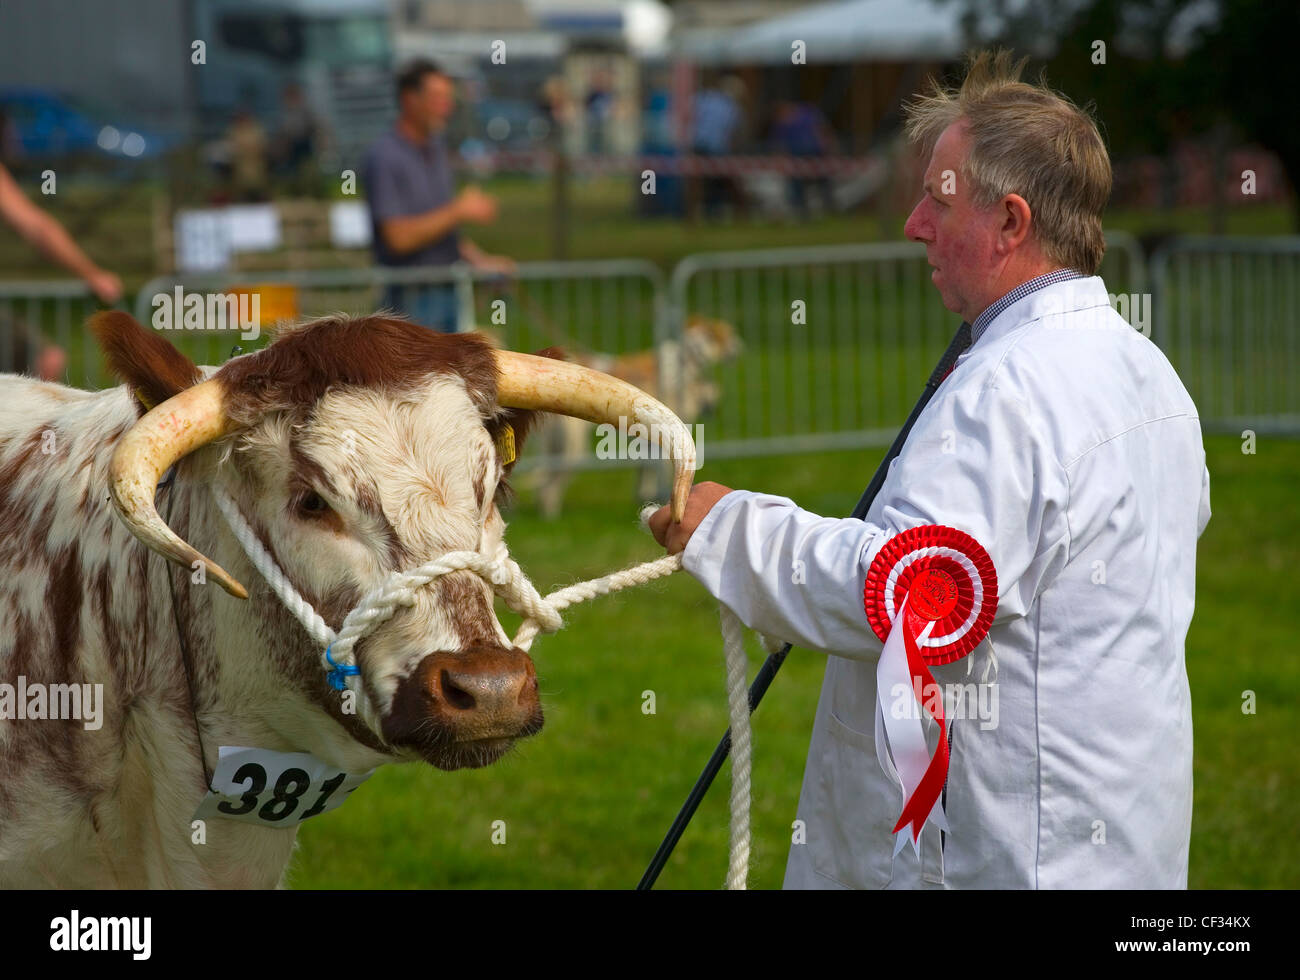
844 30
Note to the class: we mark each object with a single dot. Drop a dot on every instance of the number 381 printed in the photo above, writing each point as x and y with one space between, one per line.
275 789
285 797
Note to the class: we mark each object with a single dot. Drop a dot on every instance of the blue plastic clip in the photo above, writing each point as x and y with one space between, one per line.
340 671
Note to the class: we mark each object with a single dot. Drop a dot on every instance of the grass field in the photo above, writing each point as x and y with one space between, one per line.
586 803
114 225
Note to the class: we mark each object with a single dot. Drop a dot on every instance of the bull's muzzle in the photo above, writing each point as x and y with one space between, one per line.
465 708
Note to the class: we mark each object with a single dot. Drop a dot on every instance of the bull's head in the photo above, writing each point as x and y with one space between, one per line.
360 447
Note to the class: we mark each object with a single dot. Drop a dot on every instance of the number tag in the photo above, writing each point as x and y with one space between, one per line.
275 789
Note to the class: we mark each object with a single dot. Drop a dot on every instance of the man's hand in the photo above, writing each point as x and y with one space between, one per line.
698 504
105 285
500 265
475 207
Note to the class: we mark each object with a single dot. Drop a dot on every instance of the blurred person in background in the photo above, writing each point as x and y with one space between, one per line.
250 180
297 140
556 104
23 349
415 213
800 130
717 122
659 140
600 107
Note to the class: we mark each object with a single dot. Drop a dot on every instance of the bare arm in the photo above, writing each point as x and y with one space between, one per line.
411 233
414 232
475 256
50 238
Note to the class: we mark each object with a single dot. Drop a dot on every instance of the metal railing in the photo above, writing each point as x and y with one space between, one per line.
1227 315
834 342
773 351
593 310
607 306
42 331
1124 266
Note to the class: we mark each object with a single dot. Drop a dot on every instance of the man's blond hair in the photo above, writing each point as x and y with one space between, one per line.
1028 140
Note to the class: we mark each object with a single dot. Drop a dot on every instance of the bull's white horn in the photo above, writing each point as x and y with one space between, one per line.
167 433
547 384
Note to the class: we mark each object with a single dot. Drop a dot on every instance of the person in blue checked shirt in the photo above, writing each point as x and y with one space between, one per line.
1065 444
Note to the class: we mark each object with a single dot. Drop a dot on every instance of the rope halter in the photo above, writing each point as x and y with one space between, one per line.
541 614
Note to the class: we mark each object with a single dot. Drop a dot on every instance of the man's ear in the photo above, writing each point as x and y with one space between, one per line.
1016 222
153 368
511 427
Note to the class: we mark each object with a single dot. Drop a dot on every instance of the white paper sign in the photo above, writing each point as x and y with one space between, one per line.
253 227
274 789
202 241
349 224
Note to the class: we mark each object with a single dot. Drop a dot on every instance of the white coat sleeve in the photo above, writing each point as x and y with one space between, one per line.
977 460
1203 511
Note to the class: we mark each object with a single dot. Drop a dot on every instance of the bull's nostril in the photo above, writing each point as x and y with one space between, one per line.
527 690
455 695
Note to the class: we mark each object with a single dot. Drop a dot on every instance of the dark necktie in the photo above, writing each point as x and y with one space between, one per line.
960 342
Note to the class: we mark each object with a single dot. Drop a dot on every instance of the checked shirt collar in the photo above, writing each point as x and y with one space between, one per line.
1020 292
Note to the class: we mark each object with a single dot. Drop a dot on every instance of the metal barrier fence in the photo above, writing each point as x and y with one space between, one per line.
42 330
1227 315
834 343
600 306
593 310
773 351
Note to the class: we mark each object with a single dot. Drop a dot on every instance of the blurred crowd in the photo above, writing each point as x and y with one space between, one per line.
249 159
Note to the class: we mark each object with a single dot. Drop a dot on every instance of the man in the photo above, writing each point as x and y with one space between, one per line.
1065 445
414 215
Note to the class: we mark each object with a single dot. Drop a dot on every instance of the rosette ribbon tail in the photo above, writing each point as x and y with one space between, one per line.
901 750
923 804
930 595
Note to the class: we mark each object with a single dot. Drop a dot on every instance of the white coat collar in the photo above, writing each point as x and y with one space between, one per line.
1063 297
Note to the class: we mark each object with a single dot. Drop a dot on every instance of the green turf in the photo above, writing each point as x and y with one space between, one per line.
114 225
586 802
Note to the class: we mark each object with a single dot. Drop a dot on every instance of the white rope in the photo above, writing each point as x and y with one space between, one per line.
733 645
262 560
541 615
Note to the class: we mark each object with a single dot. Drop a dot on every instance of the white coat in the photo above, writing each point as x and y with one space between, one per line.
1064 442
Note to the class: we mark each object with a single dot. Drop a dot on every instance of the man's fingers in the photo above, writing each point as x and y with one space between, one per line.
659 522
677 539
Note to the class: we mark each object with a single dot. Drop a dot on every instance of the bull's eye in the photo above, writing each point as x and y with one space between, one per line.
312 504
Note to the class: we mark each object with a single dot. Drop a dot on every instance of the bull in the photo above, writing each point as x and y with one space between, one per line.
352 448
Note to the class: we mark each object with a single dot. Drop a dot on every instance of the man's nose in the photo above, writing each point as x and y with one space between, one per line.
913 228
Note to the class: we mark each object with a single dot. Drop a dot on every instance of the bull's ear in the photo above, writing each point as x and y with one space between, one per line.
511 427
153 368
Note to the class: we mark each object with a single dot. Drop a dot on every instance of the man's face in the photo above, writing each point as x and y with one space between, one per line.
959 238
431 105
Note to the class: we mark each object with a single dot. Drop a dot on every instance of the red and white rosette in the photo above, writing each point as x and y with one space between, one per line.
930 595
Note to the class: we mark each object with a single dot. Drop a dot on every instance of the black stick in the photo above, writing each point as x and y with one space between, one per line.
960 341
